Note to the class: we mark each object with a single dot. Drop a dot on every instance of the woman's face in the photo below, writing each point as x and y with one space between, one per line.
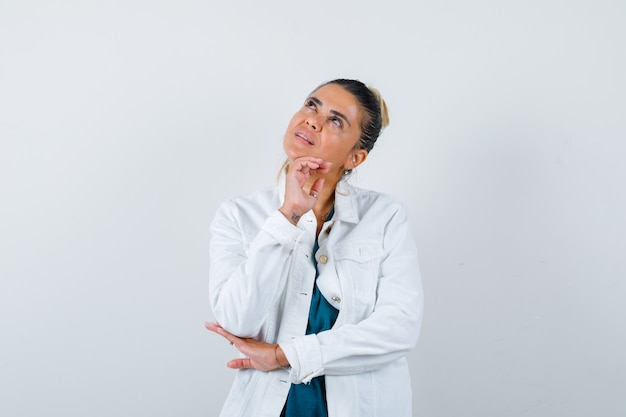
327 126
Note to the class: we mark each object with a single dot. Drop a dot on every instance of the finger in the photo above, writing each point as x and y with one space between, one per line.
323 167
299 168
215 327
305 166
301 163
304 159
212 326
239 343
240 363
227 335
317 187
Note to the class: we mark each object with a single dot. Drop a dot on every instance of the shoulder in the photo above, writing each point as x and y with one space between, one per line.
266 196
258 204
369 200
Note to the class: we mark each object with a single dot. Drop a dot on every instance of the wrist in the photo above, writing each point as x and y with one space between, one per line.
290 215
280 357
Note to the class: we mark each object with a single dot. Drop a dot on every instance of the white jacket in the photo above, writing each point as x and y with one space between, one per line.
261 279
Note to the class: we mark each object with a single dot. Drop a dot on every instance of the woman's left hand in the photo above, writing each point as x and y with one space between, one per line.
260 355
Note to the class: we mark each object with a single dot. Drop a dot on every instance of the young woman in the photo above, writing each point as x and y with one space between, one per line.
314 281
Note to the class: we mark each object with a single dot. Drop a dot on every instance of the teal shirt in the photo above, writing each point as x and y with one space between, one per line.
309 400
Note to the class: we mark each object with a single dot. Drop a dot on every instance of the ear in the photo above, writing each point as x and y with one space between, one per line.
356 158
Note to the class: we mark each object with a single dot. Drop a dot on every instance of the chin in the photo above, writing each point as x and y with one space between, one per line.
293 153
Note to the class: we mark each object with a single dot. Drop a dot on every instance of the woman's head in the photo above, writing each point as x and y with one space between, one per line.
375 114
339 122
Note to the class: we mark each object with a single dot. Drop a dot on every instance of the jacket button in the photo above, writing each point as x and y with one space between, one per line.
323 259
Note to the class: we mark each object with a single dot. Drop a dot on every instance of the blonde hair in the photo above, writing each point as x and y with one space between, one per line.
384 111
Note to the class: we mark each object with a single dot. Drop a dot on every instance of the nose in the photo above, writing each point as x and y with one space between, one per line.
313 123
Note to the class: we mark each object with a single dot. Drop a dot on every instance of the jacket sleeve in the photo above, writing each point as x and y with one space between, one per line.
387 334
247 277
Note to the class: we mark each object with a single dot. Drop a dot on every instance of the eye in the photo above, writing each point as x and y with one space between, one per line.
310 104
336 120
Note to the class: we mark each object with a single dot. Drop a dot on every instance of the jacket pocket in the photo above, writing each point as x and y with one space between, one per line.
357 265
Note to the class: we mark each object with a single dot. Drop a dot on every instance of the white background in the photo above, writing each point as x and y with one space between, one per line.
123 125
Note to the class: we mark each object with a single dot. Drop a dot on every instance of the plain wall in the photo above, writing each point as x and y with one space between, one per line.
123 125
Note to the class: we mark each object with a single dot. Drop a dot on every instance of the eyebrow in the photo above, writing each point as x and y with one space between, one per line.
335 112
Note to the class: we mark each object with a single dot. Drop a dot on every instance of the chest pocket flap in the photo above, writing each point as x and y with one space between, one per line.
357 265
360 252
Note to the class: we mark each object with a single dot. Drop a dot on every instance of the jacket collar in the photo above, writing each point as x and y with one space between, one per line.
345 203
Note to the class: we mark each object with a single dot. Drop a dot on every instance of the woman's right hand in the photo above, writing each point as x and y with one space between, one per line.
299 200
259 355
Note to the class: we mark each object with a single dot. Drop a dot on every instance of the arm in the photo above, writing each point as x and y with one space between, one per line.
245 283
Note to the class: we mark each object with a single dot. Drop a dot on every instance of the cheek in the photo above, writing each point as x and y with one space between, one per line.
337 149
346 143
289 128
295 120
288 139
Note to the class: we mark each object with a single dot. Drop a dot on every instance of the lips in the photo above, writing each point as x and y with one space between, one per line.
304 137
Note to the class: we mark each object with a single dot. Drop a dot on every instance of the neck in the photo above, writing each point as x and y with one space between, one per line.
326 198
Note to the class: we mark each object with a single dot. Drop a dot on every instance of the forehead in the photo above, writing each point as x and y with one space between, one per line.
335 97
